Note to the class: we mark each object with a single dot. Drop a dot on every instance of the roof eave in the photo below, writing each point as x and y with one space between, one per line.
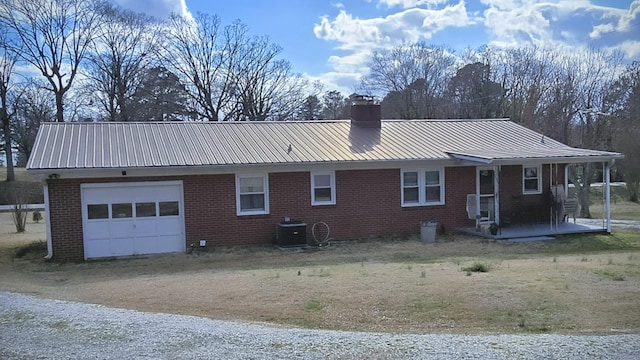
169 171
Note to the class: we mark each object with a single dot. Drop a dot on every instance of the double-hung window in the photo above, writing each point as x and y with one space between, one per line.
422 187
323 188
252 194
531 180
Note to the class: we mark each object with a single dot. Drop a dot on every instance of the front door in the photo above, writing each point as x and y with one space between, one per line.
485 191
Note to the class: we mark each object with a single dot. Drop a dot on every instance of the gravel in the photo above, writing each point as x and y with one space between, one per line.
35 328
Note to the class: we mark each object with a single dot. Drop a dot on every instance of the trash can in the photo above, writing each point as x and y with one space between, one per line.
428 231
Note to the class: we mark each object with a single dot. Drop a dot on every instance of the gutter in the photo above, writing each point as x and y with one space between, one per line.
48 220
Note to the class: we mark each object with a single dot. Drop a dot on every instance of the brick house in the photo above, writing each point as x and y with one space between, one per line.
118 189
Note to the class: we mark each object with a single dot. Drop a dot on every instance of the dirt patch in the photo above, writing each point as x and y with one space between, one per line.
588 284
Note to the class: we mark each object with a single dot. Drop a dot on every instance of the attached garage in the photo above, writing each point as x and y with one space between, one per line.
132 218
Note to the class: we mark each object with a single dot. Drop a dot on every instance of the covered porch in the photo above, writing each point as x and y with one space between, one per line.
534 203
535 230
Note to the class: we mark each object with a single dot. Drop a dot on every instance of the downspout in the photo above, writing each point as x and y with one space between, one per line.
47 215
566 179
607 194
551 206
496 194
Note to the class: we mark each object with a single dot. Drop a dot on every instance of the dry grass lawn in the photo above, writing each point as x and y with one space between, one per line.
586 284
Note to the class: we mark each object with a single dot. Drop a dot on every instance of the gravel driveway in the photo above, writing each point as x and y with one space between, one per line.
34 328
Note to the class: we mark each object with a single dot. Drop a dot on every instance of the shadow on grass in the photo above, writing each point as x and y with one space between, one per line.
34 250
578 243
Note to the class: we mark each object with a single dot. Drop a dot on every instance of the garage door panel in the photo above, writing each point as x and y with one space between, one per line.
122 229
147 245
122 247
169 242
97 248
120 195
169 226
143 218
146 227
147 194
96 196
97 230
167 193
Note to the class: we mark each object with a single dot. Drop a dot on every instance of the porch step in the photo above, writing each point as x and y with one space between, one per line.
533 238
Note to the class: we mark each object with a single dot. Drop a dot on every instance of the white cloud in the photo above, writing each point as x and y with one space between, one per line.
626 22
514 22
599 30
349 31
405 4
360 37
553 22
351 63
340 81
407 25
630 48
160 9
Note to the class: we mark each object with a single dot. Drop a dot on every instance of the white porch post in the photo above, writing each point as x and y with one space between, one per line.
607 195
496 193
551 207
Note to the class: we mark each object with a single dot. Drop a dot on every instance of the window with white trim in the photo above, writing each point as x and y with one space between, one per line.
323 188
422 187
252 194
531 183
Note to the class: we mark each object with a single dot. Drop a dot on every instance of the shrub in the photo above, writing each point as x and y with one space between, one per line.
477 267
36 216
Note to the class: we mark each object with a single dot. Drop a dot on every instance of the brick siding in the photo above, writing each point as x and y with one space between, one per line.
367 204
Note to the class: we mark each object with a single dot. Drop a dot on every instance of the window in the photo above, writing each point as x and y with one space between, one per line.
252 194
169 208
410 188
97 211
146 209
323 188
122 210
531 180
422 187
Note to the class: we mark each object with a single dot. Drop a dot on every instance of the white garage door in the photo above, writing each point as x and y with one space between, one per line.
134 218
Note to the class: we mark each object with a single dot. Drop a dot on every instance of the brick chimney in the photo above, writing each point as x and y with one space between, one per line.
365 113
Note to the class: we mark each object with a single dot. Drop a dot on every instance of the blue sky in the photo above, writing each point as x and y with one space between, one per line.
331 40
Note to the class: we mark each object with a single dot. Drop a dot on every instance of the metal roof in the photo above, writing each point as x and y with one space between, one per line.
108 145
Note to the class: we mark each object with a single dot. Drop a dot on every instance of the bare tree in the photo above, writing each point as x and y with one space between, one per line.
597 72
624 99
474 94
8 60
203 55
526 74
35 106
413 76
123 48
267 89
229 74
53 36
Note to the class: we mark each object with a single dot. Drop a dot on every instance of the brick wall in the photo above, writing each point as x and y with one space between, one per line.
517 208
65 219
367 203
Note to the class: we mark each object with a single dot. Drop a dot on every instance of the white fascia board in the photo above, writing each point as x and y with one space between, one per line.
235 169
555 160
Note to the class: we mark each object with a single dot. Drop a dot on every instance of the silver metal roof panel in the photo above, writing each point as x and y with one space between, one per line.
107 145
